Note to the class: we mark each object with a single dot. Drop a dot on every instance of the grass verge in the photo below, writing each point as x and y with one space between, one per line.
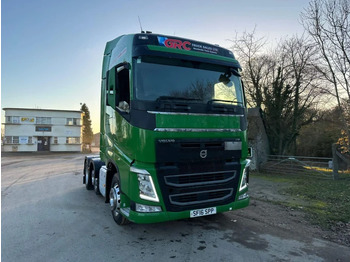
326 201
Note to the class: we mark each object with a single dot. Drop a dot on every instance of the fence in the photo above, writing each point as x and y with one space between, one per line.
297 165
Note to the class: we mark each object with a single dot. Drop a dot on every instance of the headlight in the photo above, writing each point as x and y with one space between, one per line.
245 176
146 185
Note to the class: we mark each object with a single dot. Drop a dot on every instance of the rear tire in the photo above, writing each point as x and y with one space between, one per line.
114 202
88 179
96 186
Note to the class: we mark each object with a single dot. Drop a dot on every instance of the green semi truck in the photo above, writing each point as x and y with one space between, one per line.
173 141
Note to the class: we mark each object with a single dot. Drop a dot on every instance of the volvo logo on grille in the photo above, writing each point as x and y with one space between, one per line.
203 153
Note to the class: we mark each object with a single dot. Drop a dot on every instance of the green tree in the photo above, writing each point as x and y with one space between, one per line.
343 141
316 139
87 130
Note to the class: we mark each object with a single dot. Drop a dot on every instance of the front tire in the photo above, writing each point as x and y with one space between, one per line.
114 202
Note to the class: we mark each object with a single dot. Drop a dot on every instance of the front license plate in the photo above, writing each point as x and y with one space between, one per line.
203 212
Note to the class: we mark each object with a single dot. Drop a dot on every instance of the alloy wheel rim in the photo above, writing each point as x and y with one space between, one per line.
114 199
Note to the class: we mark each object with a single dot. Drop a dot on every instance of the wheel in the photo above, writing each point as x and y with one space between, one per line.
94 179
96 188
114 202
88 179
85 171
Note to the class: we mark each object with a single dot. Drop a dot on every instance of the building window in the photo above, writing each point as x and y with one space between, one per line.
15 119
15 140
55 140
73 121
12 119
8 139
43 120
18 140
73 140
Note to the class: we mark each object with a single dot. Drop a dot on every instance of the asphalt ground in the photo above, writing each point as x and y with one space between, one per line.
48 215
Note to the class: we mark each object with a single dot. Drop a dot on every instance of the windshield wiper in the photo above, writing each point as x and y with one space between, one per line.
177 98
225 101
235 72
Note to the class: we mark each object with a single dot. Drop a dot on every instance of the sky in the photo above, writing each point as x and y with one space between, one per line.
52 50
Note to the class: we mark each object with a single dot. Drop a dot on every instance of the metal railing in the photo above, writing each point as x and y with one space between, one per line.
298 165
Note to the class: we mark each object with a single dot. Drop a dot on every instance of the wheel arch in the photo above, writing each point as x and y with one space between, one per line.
87 162
96 165
112 169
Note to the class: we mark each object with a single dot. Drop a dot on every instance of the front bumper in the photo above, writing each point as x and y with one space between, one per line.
146 218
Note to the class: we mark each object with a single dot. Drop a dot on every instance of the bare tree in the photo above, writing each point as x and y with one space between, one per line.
300 55
327 22
256 65
282 83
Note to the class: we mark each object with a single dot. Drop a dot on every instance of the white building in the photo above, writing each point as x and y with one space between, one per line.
42 130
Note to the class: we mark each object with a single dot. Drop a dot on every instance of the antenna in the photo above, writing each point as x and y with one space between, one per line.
140 25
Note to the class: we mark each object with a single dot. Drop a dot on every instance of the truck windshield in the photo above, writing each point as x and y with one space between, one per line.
157 78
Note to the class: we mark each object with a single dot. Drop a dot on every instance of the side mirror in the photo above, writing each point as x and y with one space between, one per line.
126 65
124 106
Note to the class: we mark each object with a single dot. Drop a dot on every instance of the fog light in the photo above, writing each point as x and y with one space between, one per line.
244 196
147 209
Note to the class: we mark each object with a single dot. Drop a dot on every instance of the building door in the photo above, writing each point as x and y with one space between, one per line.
43 143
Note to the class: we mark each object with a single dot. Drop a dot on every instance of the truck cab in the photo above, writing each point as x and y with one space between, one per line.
173 130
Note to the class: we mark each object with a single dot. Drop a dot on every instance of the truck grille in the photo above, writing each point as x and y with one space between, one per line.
201 197
199 178
198 189
190 181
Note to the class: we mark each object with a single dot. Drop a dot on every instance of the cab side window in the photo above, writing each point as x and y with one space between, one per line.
123 86
111 94
118 88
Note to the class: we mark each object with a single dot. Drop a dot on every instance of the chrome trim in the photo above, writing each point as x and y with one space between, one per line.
190 114
197 130
233 145
139 171
125 211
